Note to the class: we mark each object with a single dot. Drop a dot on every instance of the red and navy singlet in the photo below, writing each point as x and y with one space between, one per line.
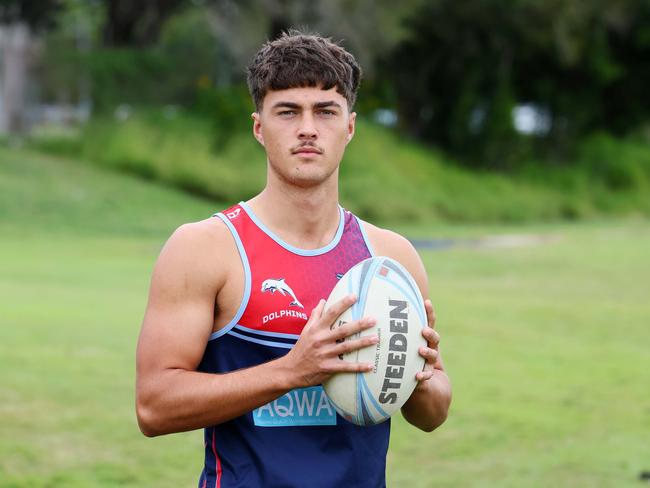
297 440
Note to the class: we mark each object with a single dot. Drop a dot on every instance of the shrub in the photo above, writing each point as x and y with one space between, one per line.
622 165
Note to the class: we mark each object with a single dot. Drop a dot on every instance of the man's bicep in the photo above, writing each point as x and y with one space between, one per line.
411 260
180 313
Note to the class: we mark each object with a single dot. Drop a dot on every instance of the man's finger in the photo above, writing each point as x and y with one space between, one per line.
432 337
338 308
423 375
429 354
316 314
352 328
431 315
355 344
338 366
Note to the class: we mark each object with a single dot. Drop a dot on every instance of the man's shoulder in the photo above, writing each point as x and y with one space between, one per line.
202 231
389 243
386 242
200 245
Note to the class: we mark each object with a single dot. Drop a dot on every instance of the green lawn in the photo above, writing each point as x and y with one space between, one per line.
547 345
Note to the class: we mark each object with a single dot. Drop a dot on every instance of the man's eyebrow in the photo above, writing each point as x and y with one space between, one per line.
329 103
286 105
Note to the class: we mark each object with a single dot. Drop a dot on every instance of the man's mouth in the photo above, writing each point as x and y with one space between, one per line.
306 150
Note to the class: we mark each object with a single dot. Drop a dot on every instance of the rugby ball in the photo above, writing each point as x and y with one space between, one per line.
388 293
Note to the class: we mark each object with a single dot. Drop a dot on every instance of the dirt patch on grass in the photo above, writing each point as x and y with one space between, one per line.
505 241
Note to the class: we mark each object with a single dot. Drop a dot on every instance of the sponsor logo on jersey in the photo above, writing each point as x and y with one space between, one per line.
302 406
233 215
281 314
279 285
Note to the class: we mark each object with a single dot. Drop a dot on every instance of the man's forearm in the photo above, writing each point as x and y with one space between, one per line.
428 406
176 400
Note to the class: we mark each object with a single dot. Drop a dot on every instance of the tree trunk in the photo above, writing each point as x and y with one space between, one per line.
14 47
136 23
279 18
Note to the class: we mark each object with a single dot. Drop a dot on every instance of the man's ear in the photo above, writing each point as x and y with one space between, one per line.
351 125
257 127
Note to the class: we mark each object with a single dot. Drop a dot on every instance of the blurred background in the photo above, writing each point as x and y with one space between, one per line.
509 140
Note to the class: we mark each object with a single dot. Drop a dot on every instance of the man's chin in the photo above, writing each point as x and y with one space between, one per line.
306 181
309 178
304 174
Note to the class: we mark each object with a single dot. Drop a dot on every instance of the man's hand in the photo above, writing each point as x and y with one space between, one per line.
429 352
428 405
315 357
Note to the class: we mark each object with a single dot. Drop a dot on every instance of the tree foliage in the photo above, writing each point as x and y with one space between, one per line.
466 65
454 70
136 23
35 13
368 28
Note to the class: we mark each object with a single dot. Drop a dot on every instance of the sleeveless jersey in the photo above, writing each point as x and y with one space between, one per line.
297 440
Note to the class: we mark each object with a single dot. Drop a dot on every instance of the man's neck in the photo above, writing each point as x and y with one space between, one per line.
307 218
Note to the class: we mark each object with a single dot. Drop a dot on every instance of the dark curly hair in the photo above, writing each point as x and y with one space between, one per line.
296 59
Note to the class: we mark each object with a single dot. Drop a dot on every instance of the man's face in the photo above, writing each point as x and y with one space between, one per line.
304 132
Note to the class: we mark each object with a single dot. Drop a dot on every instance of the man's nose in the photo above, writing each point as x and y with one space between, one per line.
307 128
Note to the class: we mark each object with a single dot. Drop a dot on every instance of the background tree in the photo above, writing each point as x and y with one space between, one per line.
466 65
19 19
138 24
367 27
37 14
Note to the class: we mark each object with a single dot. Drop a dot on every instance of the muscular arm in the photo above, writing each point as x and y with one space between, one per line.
171 395
428 406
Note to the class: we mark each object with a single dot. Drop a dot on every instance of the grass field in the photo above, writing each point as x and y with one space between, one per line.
547 345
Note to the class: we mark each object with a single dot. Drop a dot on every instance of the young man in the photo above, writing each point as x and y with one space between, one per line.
235 337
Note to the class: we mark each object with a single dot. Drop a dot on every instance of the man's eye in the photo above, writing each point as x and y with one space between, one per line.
285 113
327 112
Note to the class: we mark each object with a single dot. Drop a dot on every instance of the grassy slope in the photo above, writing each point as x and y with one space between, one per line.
61 196
415 183
546 345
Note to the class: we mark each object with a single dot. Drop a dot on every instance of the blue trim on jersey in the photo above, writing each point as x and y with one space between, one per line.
289 247
365 236
266 333
283 345
282 340
247 279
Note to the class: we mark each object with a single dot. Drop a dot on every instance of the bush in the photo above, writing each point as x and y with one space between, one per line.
170 72
385 178
228 108
621 165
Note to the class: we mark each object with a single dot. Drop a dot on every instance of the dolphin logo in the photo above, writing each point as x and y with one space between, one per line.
279 285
